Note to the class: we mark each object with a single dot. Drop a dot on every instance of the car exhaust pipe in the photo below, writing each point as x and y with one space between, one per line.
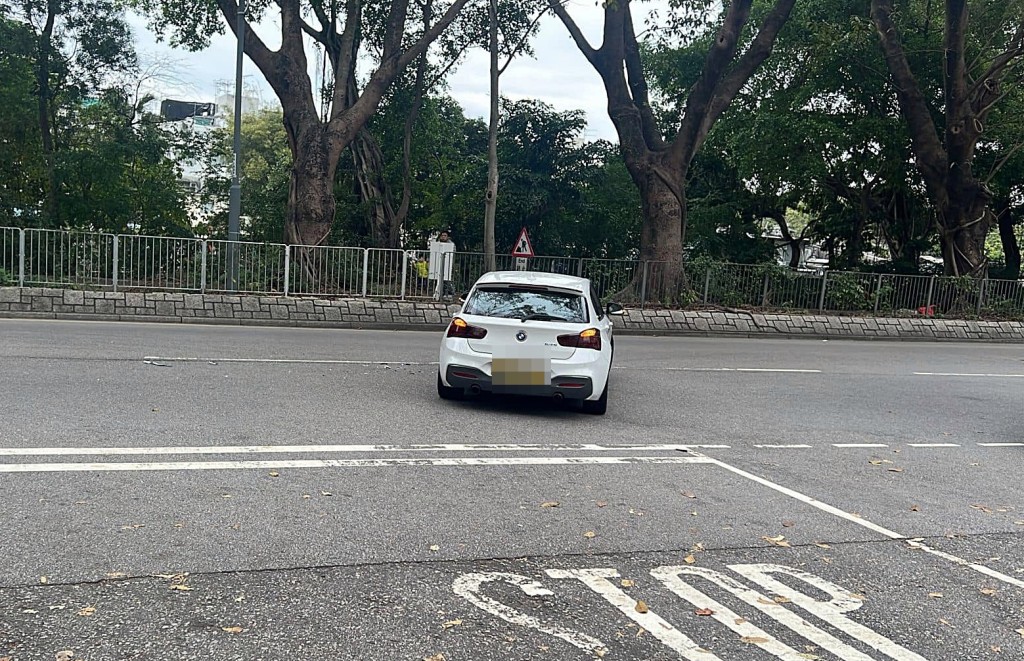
475 389
559 396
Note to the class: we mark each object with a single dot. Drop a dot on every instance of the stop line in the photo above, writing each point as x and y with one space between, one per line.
680 580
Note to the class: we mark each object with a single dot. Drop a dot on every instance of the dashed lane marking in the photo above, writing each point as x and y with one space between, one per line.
860 445
796 446
995 376
934 445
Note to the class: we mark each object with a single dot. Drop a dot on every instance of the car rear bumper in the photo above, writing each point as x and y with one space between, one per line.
561 387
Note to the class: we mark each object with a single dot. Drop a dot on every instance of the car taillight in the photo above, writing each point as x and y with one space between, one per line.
588 339
459 328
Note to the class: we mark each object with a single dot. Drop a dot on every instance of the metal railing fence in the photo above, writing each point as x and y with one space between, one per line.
123 262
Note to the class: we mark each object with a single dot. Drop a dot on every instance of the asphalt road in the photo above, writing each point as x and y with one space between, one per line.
222 493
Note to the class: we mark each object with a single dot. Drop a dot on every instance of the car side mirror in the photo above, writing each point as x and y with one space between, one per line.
614 308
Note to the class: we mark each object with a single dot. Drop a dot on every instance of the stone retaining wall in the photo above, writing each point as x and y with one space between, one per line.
370 313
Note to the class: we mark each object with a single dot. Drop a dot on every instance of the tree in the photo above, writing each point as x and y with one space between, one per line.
346 30
659 166
974 69
22 170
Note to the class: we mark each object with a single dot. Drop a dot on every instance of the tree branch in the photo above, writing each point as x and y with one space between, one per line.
638 85
931 157
1001 62
1002 162
701 94
347 50
522 39
265 59
574 31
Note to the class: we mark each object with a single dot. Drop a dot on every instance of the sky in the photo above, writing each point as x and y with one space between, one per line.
556 74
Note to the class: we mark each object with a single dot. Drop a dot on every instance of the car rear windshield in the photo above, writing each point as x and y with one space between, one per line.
527 303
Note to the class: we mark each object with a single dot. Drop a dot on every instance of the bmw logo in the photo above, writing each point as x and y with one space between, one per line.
521 336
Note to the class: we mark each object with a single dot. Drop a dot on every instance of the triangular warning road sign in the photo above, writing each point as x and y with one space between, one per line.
523 246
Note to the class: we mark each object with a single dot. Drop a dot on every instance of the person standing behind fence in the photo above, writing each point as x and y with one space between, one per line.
442 255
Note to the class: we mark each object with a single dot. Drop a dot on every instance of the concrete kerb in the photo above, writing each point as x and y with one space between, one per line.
380 314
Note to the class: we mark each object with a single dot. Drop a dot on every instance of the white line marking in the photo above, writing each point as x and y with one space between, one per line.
934 445
343 463
670 577
597 580
867 524
312 361
997 376
1001 445
860 445
987 571
301 449
832 611
467 586
721 369
783 447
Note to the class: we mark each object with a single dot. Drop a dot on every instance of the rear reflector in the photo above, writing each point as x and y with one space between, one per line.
465 375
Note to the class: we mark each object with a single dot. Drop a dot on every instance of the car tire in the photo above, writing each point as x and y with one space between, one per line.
597 406
446 392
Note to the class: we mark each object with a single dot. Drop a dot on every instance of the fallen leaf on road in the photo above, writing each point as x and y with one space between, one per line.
180 588
550 503
451 623
28 611
704 612
777 541
66 655
87 611
822 545
788 524
626 583
782 600
996 648
641 607
808 655
689 559
935 595
134 526
435 547
274 474
754 640
740 620
602 503
233 629
436 657
1018 523
689 494
895 470
326 493
988 592
1020 631
44 580
590 534
982 508
915 508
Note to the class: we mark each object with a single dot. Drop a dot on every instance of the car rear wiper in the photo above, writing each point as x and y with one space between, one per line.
540 316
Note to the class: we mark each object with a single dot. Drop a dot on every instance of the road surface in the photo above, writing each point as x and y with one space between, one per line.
219 493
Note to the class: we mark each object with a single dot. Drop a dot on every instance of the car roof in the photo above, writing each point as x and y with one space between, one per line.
535 278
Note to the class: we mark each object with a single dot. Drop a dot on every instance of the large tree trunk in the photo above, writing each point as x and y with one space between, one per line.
374 191
1008 237
966 220
45 127
311 202
491 194
661 239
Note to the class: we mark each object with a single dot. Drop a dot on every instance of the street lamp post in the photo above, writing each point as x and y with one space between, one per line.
235 202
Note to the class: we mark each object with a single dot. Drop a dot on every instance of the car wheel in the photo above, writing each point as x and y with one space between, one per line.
597 406
445 392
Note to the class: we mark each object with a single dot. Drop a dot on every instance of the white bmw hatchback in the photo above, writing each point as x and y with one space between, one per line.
530 333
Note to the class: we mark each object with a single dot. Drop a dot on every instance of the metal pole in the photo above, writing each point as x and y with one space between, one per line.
202 268
707 284
235 202
764 290
824 284
878 292
405 271
21 257
931 290
117 245
981 294
643 286
366 266
287 267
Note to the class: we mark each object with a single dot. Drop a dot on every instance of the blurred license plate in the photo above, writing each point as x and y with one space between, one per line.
520 371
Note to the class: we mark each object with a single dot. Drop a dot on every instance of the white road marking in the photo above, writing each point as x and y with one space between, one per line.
987 571
997 376
832 611
311 361
860 445
303 449
597 580
467 586
344 463
720 369
825 507
1001 445
934 445
783 447
670 577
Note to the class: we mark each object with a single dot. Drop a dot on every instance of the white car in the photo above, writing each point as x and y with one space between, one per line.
530 333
